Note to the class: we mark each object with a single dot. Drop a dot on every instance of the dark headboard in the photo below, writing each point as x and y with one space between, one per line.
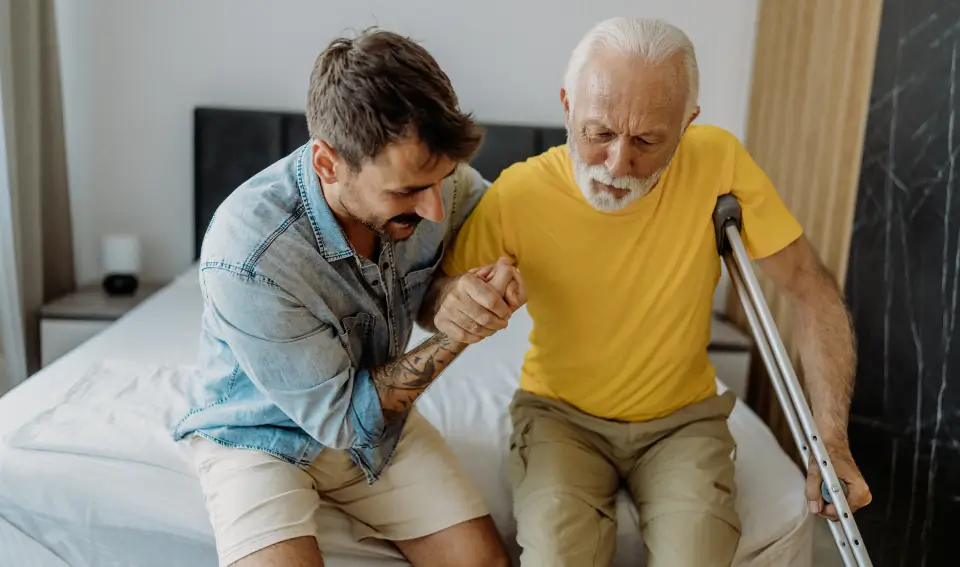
230 146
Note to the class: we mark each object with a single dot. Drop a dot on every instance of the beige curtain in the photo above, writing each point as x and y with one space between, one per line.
37 164
813 71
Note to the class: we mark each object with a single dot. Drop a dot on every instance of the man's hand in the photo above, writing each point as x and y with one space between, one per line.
515 294
478 303
858 492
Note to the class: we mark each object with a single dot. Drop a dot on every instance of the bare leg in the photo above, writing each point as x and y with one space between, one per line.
474 543
297 552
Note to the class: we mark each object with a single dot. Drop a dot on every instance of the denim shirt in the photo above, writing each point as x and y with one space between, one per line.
294 320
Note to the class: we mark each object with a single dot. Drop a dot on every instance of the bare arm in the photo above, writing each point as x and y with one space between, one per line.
400 382
828 354
466 308
824 333
431 302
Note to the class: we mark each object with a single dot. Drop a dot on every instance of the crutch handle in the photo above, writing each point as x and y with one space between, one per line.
726 212
825 492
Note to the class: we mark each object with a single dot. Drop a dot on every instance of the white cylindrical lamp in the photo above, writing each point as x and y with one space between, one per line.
121 256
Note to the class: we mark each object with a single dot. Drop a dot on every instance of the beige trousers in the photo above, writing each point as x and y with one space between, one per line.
566 468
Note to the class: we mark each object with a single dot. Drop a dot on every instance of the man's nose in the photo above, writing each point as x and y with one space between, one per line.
620 158
430 204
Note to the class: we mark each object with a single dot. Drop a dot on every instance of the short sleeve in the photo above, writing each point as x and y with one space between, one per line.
480 241
768 226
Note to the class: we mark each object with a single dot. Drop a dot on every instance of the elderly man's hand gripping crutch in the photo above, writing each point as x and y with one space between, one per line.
826 462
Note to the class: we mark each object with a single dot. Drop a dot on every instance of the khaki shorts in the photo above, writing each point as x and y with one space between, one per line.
566 468
255 500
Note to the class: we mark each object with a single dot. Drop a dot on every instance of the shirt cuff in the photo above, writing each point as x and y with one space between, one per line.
366 413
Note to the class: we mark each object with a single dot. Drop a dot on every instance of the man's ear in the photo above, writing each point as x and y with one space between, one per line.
693 116
324 159
566 107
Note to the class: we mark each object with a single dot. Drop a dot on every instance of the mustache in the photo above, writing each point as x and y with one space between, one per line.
626 182
409 219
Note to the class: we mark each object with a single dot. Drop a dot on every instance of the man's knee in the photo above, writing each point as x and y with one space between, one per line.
562 529
694 539
494 556
296 552
491 549
473 543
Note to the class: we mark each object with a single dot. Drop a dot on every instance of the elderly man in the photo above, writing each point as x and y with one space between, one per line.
313 273
613 236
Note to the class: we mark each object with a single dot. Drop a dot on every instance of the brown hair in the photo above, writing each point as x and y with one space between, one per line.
368 92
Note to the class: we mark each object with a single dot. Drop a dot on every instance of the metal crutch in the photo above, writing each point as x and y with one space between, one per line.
727 221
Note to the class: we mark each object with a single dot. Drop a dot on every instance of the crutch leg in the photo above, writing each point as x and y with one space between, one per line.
727 223
767 356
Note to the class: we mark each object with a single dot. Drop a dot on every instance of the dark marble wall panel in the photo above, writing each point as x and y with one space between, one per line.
903 287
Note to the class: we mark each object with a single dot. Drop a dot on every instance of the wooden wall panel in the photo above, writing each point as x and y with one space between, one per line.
813 70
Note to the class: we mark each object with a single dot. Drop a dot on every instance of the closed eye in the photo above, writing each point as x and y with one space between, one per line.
411 191
601 136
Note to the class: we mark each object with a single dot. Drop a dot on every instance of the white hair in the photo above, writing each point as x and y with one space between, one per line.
652 39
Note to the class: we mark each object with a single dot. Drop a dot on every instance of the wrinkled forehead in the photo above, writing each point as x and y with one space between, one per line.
629 91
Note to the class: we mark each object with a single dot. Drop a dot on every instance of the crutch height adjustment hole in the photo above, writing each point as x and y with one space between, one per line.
814 437
856 542
845 515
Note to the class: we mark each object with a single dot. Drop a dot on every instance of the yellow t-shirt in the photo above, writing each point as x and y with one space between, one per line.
621 301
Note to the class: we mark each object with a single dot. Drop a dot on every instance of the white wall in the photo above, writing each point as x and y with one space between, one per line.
134 70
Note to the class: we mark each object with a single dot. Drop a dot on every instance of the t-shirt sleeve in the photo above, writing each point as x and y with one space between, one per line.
768 226
481 239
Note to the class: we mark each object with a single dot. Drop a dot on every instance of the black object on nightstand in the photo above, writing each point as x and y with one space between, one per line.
120 284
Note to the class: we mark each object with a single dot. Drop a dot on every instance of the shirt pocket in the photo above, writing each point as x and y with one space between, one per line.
355 338
416 283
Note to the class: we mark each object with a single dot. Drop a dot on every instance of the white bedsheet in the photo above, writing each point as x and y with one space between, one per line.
15 546
89 475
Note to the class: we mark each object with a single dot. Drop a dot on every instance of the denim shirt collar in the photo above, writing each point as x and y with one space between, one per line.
333 243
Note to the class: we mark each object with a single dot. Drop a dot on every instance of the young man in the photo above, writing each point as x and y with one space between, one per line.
613 234
313 273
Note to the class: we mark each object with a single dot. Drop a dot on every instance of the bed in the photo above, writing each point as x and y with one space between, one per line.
90 477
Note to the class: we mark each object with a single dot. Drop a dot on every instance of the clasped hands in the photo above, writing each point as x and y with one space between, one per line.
479 303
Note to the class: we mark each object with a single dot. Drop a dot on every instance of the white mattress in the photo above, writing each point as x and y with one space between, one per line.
90 477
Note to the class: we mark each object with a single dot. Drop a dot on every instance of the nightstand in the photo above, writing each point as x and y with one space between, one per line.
67 322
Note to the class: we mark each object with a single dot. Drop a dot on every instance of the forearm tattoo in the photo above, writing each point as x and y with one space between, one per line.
401 381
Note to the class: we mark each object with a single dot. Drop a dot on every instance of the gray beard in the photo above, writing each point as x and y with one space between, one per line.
637 187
